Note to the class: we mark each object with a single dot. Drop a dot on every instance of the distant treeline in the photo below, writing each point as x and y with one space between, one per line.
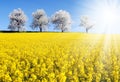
2 31
60 19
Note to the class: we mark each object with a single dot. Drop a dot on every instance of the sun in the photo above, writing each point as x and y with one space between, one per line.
105 14
109 15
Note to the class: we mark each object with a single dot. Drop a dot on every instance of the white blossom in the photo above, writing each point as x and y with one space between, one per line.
40 20
62 20
17 20
86 23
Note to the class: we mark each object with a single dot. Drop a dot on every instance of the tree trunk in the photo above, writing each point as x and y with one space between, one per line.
18 25
62 31
40 29
18 29
86 30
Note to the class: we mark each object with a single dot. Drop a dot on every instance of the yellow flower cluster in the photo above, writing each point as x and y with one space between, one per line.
59 57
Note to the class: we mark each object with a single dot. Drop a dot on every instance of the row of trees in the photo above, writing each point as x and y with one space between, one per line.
60 19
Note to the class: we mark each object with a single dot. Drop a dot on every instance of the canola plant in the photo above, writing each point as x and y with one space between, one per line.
59 57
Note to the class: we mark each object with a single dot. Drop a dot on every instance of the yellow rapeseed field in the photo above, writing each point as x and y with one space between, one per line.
59 57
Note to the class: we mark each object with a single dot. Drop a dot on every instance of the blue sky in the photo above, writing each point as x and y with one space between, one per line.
76 8
29 6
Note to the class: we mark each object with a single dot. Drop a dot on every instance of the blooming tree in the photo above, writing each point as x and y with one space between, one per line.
17 20
86 23
40 20
62 20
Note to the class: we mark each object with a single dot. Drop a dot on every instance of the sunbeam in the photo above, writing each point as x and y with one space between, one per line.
105 13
